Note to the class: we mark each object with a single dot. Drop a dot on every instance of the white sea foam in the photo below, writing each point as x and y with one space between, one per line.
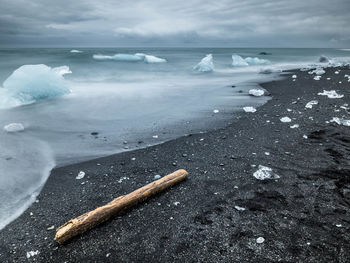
76 51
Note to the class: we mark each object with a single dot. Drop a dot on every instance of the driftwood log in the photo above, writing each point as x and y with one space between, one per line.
90 219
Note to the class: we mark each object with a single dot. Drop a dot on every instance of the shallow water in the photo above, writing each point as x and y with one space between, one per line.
137 102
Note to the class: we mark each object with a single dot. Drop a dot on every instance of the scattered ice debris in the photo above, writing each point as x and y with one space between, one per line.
311 103
317 77
122 179
294 76
256 92
14 127
216 111
345 106
317 71
51 227
249 109
239 208
32 253
157 176
260 240
323 59
264 173
155 136
294 126
305 136
176 203
332 94
340 121
80 175
285 119
205 65
76 51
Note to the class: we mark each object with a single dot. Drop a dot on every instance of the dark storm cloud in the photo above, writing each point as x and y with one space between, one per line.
279 23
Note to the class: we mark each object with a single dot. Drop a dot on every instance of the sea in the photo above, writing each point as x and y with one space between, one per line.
77 104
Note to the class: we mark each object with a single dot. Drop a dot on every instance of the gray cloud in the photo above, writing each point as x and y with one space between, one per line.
249 23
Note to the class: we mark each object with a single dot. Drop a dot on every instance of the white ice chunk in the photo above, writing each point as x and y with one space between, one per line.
332 94
150 59
80 175
238 61
264 173
285 119
311 103
216 111
30 83
206 64
294 126
157 176
239 208
340 121
294 76
256 92
260 240
14 127
76 51
317 77
317 71
249 109
32 253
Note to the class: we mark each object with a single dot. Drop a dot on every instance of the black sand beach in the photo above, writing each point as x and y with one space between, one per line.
304 216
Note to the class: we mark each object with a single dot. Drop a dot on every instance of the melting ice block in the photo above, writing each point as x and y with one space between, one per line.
249 109
238 61
332 94
30 83
285 119
264 173
256 92
206 64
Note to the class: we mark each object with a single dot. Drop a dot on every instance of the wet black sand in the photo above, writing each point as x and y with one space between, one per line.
304 216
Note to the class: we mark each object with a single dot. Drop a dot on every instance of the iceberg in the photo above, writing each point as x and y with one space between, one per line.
264 173
76 51
153 59
14 127
238 61
331 94
256 61
30 83
119 57
205 65
256 92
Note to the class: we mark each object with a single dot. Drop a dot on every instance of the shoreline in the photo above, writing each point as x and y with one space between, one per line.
304 206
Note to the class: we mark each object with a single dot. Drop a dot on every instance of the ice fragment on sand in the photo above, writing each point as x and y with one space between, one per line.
317 71
157 176
80 175
336 72
239 208
332 94
311 103
340 121
206 64
249 109
317 77
305 136
264 173
285 119
260 240
51 227
256 92
294 76
294 126
32 253
176 203
14 127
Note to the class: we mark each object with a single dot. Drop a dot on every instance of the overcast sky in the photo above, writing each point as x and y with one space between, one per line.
230 23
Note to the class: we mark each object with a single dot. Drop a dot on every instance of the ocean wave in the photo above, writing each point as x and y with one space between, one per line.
30 83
